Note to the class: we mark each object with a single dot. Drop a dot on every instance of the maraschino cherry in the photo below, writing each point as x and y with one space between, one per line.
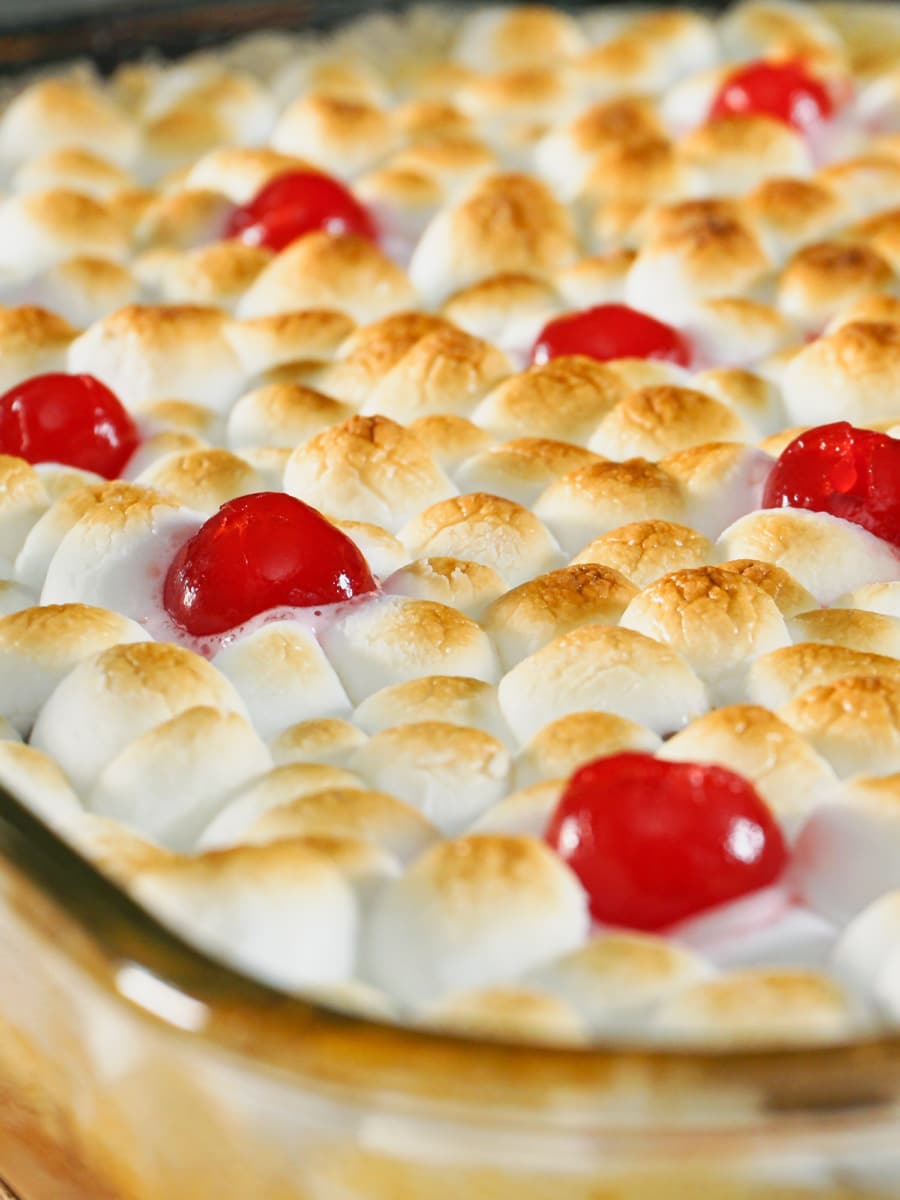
297 203
610 331
656 842
839 469
786 91
260 552
71 419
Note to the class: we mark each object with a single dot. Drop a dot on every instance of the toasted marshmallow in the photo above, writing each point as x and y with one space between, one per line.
219 273
606 669
787 773
846 855
512 108
788 212
623 179
758 1008
596 499
470 913
528 35
147 354
445 371
373 350
23 500
507 223
871 633
181 416
508 310
180 220
599 279
37 782
825 554
563 399
348 812
165 444
449 772
392 639
853 375
867 184
265 343
616 980
73 169
548 606
118 852
738 331
203 479
42 229
650 53
365 468
116 555
240 172
822 279
282 912
326 740
718 621
343 137
756 400
865 957
178 137
731 155
853 722
282 676
484 529
790 598
702 255
881 235
777 678
777 28
471 703
320 270
521 469
244 109
282 785
84 289
645 550
561 747
655 421
171 780
450 439
39 646
469 586
62 113
402 202
455 162
116 696
506 1014
33 341
564 156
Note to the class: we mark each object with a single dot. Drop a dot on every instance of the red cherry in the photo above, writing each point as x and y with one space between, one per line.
298 203
71 419
260 552
848 472
786 91
610 331
655 842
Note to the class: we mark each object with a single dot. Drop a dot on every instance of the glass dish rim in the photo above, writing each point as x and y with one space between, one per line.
324 1048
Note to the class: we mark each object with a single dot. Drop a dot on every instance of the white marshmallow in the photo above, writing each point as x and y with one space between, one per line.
392 639
470 913
560 748
606 669
169 782
450 773
281 785
283 677
848 851
23 500
37 782
867 953
825 554
118 695
617 979
326 740
281 912
526 811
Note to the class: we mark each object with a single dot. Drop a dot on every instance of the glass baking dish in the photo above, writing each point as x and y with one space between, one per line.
134 1068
